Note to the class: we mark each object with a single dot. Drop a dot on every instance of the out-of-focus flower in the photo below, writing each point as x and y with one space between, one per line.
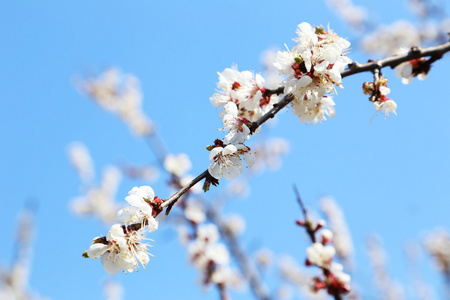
99 200
437 244
120 94
195 210
342 240
177 164
81 160
234 224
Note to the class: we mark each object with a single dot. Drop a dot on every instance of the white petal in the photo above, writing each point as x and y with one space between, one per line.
304 81
215 170
108 261
213 153
96 250
134 200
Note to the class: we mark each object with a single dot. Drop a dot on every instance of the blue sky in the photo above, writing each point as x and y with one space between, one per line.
389 176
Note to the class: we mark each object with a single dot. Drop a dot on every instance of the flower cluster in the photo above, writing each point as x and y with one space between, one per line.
246 90
377 90
122 248
321 254
313 68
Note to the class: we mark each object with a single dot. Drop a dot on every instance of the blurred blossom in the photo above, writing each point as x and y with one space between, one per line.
271 74
234 224
264 257
342 239
299 278
177 164
210 256
387 39
195 210
183 235
388 288
148 173
355 16
81 160
238 188
100 200
14 281
113 290
120 94
284 292
269 154
437 244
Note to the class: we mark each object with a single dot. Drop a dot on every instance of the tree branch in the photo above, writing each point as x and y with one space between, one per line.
436 52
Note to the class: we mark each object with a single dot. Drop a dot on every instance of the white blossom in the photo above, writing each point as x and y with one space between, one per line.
177 164
320 255
236 126
225 162
140 210
313 68
195 210
123 251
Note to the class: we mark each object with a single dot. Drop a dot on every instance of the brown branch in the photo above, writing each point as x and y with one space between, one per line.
436 52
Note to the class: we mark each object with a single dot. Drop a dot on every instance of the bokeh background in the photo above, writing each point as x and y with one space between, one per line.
390 176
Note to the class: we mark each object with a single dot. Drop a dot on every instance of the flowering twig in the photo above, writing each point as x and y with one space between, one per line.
321 255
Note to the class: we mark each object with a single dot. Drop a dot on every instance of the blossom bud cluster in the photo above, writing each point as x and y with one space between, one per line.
321 254
123 247
313 68
377 90
121 95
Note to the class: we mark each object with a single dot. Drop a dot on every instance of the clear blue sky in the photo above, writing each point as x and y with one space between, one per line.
389 176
